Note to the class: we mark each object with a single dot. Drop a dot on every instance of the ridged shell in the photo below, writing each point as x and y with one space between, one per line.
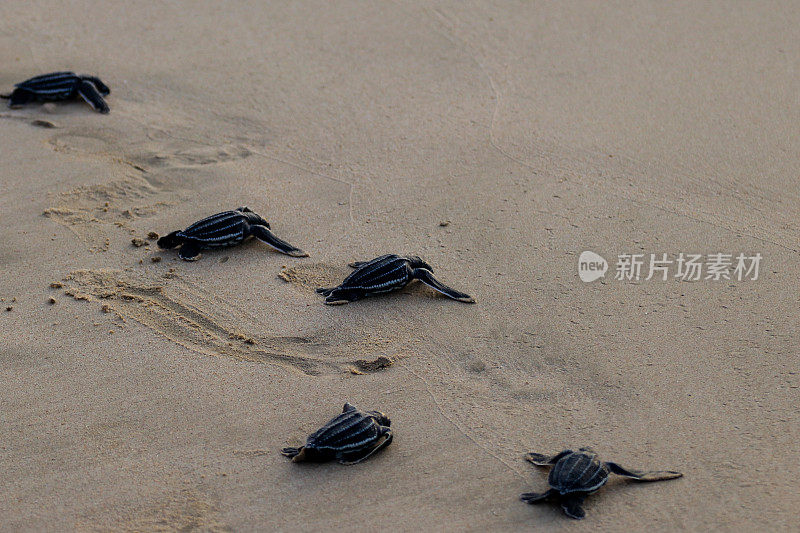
578 472
55 85
222 229
383 273
350 431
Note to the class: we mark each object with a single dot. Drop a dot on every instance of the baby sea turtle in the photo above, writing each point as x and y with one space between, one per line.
387 273
225 229
575 475
58 86
350 438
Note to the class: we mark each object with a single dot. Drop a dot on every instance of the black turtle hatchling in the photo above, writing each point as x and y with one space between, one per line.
228 228
387 273
575 475
58 86
349 438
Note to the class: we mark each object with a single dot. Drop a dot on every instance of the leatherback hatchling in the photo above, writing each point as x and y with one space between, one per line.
349 438
575 475
387 273
58 86
228 228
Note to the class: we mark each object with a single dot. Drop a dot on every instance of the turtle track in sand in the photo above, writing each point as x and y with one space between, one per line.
195 320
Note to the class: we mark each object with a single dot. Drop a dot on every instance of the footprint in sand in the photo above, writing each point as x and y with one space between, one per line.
310 277
170 509
90 211
195 156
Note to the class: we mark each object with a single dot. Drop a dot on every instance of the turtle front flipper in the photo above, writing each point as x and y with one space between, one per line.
356 457
639 475
190 251
89 92
357 264
263 234
536 497
571 503
426 277
19 97
545 460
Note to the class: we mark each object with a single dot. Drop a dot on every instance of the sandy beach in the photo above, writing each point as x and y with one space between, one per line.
499 141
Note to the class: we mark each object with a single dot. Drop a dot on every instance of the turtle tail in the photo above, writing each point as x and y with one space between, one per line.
169 241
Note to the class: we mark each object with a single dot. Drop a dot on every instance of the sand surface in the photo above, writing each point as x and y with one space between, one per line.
497 140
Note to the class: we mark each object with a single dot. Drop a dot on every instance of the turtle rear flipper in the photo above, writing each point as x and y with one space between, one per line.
639 475
169 241
190 251
539 459
357 457
89 92
426 277
337 296
19 97
357 264
536 497
571 504
295 454
263 234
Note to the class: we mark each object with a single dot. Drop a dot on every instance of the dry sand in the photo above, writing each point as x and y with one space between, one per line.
156 395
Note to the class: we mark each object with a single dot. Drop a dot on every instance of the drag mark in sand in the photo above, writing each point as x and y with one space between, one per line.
39 123
350 186
452 420
196 321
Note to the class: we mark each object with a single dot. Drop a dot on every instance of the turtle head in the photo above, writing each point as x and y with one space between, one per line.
252 217
417 262
101 87
380 418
